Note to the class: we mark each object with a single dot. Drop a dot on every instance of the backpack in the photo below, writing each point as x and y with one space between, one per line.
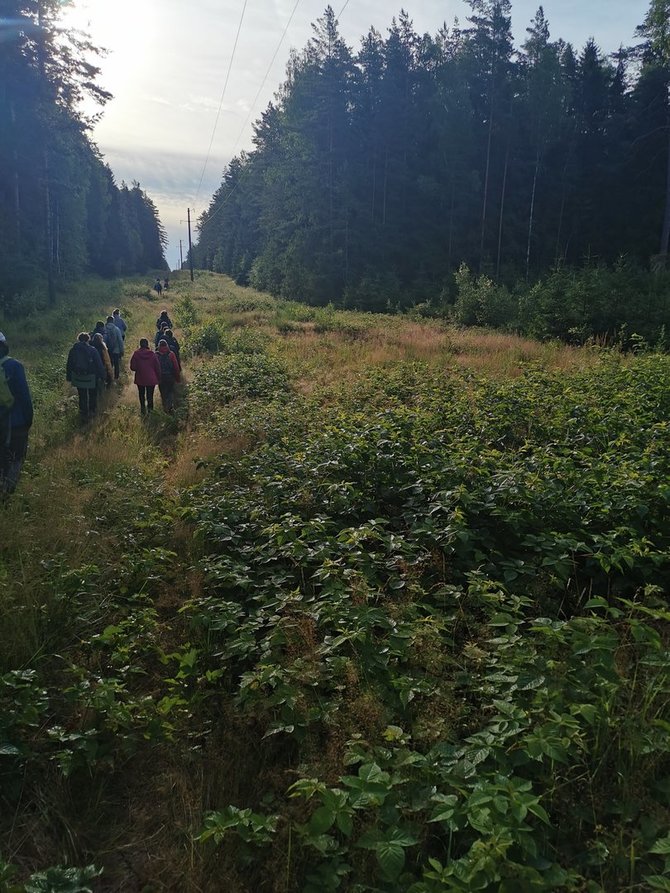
167 369
82 363
6 396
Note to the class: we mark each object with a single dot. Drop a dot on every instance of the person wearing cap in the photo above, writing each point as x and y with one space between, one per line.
15 423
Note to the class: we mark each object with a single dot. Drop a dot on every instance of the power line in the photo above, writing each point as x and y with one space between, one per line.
267 73
223 93
228 197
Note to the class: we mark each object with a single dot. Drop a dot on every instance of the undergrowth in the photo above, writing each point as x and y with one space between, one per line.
404 628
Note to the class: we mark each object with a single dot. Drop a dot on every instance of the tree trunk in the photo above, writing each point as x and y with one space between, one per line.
531 213
502 209
665 232
486 185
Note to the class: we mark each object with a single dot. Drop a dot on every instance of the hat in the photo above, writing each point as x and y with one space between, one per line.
2 338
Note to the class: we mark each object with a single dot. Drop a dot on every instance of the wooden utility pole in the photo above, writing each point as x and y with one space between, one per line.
181 257
190 246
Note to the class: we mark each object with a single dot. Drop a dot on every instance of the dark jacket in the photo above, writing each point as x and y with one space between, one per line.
164 318
84 357
21 415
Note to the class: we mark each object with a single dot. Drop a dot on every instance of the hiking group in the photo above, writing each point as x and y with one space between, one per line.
93 363
160 367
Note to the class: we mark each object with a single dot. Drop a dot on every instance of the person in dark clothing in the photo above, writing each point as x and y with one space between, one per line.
15 421
164 318
158 288
99 328
84 368
173 344
169 375
160 333
144 363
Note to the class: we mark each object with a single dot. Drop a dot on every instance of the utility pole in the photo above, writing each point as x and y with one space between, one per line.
181 257
190 246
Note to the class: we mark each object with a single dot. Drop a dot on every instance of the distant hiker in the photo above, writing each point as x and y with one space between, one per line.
144 363
173 344
120 323
98 343
166 284
158 288
84 369
169 375
164 318
160 333
16 418
114 342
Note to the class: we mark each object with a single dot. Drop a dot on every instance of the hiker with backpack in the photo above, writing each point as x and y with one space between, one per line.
115 346
173 344
158 288
144 363
120 323
16 419
160 333
169 375
84 369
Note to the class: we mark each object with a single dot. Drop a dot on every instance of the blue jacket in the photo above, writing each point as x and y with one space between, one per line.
22 411
113 338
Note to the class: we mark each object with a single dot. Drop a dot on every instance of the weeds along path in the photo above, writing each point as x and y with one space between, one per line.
87 544
401 632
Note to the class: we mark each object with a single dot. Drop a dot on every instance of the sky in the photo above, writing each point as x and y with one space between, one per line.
189 77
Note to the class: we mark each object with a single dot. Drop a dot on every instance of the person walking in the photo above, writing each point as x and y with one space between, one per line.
115 346
98 343
173 344
158 288
163 318
84 369
169 375
120 323
144 363
16 419
160 333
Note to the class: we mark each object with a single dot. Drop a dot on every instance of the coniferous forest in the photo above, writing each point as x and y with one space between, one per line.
62 215
516 185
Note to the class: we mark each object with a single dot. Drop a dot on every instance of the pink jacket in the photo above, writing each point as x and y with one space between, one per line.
144 363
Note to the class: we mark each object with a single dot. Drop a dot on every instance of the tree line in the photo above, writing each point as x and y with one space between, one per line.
62 214
376 175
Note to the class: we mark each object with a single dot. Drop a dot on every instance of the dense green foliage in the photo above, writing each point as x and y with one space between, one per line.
377 173
61 212
408 632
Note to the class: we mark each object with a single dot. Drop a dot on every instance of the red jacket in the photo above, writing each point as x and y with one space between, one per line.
144 363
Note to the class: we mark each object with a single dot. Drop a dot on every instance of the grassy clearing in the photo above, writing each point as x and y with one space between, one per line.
382 609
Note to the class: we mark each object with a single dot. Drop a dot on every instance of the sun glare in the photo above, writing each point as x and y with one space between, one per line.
120 28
